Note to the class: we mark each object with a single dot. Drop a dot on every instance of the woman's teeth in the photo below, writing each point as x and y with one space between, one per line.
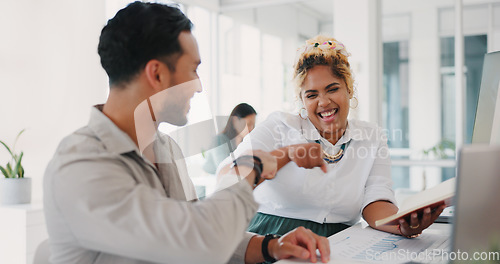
328 114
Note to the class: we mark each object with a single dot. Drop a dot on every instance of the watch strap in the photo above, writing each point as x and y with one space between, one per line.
253 162
265 248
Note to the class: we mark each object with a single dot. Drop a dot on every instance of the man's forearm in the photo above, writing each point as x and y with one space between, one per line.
254 250
243 172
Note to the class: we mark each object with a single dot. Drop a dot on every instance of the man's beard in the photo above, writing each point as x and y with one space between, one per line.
173 114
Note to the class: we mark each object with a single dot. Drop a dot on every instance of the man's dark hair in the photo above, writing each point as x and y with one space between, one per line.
137 34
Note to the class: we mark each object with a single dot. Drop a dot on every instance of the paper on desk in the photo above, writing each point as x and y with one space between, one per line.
362 245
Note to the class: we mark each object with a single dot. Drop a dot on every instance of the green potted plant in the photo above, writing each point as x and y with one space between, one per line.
444 149
14 187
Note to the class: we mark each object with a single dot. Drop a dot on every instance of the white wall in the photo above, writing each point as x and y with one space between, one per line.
424 89
354 24
50 75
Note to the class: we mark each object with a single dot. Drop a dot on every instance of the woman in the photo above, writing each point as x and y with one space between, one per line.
354 179
241 122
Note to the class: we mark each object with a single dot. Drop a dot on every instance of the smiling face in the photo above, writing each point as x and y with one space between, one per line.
183 84
326 100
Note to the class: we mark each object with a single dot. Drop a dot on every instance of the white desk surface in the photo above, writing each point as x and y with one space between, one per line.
361 237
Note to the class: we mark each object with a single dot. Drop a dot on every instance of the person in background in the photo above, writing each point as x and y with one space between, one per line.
355 177
241 122
115 190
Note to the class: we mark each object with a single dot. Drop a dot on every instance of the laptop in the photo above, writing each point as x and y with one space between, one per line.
476 221
487 120
476 225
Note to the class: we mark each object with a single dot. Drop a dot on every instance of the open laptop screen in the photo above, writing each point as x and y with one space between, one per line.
487 121
477 215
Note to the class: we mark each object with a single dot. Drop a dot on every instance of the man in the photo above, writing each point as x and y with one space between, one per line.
116 192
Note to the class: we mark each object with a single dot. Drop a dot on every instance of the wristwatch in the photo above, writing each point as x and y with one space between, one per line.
265 251
253 162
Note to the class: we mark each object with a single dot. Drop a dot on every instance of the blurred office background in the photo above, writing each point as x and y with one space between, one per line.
405 55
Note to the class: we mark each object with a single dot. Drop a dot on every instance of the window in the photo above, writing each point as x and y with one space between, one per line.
419 83
475 47
395 82
395 105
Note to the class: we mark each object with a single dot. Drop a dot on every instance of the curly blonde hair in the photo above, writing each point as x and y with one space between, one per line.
323 50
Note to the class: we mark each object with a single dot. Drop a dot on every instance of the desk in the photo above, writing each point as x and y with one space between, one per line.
362 244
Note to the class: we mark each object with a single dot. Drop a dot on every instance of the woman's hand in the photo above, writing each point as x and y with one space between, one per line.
307 155
416 226
381 209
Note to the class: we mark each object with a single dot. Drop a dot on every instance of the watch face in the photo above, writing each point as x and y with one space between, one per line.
273 236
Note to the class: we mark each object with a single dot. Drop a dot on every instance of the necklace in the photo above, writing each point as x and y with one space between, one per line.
333 158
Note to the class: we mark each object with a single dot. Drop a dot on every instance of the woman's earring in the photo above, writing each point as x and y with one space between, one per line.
354 98
303 113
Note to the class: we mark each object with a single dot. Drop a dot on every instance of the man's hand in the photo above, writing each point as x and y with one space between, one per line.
307 155
269 167
300 243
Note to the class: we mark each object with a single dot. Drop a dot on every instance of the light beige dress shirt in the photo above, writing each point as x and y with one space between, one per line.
105 203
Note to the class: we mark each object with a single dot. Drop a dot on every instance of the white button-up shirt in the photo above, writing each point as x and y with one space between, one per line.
361 177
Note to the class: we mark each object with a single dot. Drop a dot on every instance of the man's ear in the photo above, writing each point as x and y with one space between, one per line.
157 74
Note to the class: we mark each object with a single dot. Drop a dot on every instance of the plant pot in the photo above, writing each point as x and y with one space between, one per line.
15 191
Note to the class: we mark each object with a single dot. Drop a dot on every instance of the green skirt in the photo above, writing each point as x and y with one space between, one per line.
271 224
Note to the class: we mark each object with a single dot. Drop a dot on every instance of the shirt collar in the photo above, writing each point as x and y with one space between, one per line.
113 138
357 131
309 130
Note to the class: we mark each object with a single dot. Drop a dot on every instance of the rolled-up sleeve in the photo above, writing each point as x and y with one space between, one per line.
241 250
378 185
